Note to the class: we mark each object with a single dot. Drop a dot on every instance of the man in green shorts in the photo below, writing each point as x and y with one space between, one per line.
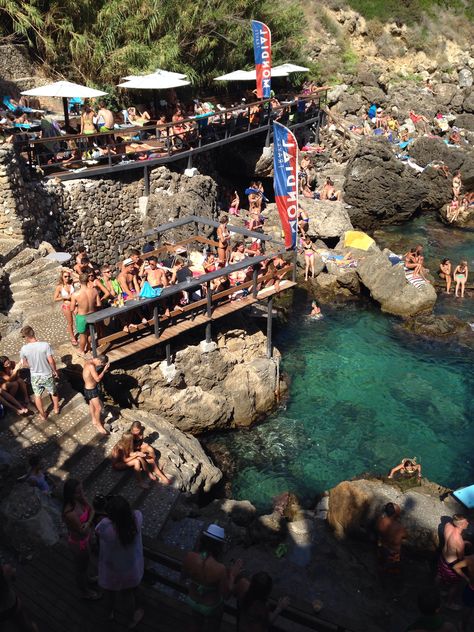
83 302
38 357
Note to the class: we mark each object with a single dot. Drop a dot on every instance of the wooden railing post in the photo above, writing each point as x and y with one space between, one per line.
255 281
156 321
93 339
269 327
295 263
209 299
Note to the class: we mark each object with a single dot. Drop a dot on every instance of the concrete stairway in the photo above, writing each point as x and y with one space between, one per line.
68 442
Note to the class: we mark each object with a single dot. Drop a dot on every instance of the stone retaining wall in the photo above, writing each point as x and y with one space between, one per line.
98 213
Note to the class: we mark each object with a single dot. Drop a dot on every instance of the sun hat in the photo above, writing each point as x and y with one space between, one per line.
215 532
379 110
128 261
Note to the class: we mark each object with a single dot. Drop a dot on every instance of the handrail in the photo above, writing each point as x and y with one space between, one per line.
298 611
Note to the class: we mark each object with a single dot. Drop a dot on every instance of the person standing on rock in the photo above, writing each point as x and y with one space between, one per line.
91 389
83 302
38 357
391 534
452 553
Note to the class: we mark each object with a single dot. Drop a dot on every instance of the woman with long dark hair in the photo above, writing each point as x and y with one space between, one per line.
121 556
78 516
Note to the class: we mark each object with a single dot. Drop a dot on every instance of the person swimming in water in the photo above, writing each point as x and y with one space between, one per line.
315 311
406 469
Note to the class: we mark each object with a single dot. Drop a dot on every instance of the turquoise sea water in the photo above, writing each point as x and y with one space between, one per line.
363 394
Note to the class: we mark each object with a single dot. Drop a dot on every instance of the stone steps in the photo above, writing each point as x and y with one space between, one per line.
9 248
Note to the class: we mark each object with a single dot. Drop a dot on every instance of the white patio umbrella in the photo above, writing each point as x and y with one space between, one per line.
289 68
249 75
154 81
158 71
64 90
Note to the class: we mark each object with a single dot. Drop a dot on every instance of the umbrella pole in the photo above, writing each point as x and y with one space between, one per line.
66 113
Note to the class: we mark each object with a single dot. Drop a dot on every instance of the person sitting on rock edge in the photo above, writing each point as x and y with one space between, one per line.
391 534
137 429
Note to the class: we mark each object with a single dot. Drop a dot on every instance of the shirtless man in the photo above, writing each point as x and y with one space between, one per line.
83 302
465 570
128 278
390 533
91 392
155 276
453 552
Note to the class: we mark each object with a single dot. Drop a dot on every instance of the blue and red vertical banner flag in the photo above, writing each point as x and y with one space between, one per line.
262 47
285 181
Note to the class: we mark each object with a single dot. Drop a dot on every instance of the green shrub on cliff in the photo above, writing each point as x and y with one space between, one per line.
409 11
100 41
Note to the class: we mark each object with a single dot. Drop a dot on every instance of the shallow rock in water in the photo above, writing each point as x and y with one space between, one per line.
241 512
181 455
389 287
437 326
354 507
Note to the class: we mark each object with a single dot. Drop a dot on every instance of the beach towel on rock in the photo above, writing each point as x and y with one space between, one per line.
415 280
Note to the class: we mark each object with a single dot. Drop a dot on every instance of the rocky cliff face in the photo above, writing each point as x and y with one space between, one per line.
230 384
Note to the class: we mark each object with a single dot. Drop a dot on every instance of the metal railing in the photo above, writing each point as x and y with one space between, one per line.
154 143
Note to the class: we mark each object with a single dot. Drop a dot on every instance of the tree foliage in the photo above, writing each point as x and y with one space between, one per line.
100 41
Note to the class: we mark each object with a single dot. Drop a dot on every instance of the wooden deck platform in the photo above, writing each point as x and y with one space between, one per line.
128 347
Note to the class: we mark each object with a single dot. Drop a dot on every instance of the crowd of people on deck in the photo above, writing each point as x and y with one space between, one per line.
172 126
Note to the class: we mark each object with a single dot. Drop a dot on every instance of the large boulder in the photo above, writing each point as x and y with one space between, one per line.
326 219
388 286
181 455
29 519
208 387
354 507
379 188
438 326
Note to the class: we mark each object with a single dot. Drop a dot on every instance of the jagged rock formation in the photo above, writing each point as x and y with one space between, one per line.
230 385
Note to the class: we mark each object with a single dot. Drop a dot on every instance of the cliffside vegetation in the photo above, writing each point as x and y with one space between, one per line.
100 41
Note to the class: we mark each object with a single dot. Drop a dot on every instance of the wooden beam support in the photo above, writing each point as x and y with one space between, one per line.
156 321
269 327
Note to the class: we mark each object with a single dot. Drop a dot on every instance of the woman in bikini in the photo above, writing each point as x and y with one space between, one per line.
457 185
210 581
303 222
223 237
62 294
461 274
136 430
307 247
11 382
445 272
78 517
124 456
87 121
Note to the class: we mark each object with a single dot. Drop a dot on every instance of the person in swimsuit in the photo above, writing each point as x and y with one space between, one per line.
91 388
391 533
137 429
210 581
12 614
457 185
223 237
315 311
445 272
452 553
254 614
307 248
303 222
406 469
87 121
465 570
461 274
36 476
78 517
62 294
12 383
124 456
